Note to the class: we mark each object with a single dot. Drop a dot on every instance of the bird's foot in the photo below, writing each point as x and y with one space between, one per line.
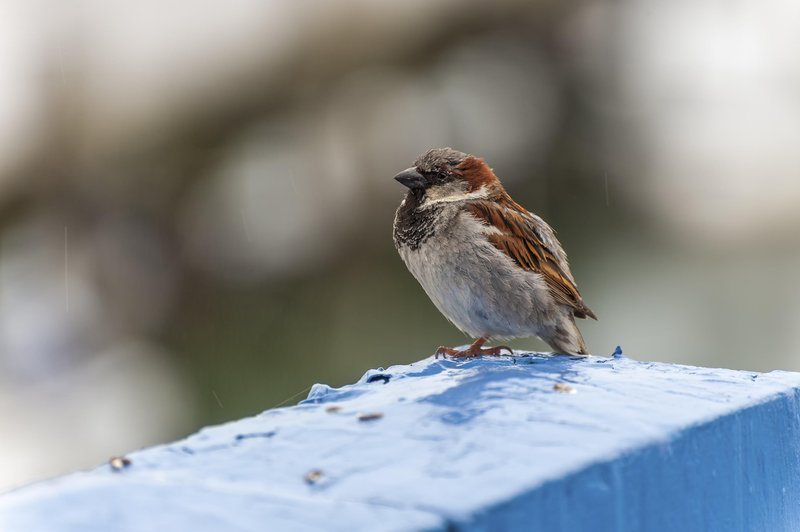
496 351
475 350
444 352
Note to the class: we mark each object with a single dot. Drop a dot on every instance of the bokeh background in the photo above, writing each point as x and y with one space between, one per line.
196 197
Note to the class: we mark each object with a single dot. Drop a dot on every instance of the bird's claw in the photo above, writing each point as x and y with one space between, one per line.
471 352
445 351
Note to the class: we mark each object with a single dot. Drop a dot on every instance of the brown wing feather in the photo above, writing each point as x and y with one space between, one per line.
531 243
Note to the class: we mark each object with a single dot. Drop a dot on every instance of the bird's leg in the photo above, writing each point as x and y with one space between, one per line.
475 350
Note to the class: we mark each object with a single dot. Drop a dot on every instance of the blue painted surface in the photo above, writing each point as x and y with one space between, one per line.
473 445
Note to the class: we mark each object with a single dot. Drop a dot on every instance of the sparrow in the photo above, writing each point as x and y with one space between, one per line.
495 270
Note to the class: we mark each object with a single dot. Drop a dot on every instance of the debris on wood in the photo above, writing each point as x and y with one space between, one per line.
379 377
562 387
314 476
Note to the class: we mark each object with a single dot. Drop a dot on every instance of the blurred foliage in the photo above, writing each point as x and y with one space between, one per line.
196 206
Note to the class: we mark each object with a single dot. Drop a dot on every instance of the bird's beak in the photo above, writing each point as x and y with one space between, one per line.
411 178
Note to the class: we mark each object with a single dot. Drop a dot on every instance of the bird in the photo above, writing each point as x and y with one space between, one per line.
493 269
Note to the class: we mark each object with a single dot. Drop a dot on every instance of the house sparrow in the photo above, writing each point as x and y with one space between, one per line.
492 268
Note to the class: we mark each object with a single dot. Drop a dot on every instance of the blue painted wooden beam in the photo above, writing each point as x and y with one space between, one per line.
531 443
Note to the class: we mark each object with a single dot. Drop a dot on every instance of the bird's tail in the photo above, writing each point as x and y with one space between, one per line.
567 338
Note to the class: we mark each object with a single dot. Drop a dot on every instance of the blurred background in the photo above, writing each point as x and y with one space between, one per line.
196 197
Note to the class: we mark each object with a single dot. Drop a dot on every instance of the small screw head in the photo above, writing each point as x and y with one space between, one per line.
118 463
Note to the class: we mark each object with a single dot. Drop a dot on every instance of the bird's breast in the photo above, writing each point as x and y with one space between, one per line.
471 282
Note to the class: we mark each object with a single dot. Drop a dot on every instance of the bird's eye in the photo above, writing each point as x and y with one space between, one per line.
436 177
443 177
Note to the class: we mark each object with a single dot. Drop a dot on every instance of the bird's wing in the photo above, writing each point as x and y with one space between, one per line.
532 244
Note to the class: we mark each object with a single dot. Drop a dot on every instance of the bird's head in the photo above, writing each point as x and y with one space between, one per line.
445 175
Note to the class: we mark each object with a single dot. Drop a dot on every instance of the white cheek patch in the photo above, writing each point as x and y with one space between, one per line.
451 193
